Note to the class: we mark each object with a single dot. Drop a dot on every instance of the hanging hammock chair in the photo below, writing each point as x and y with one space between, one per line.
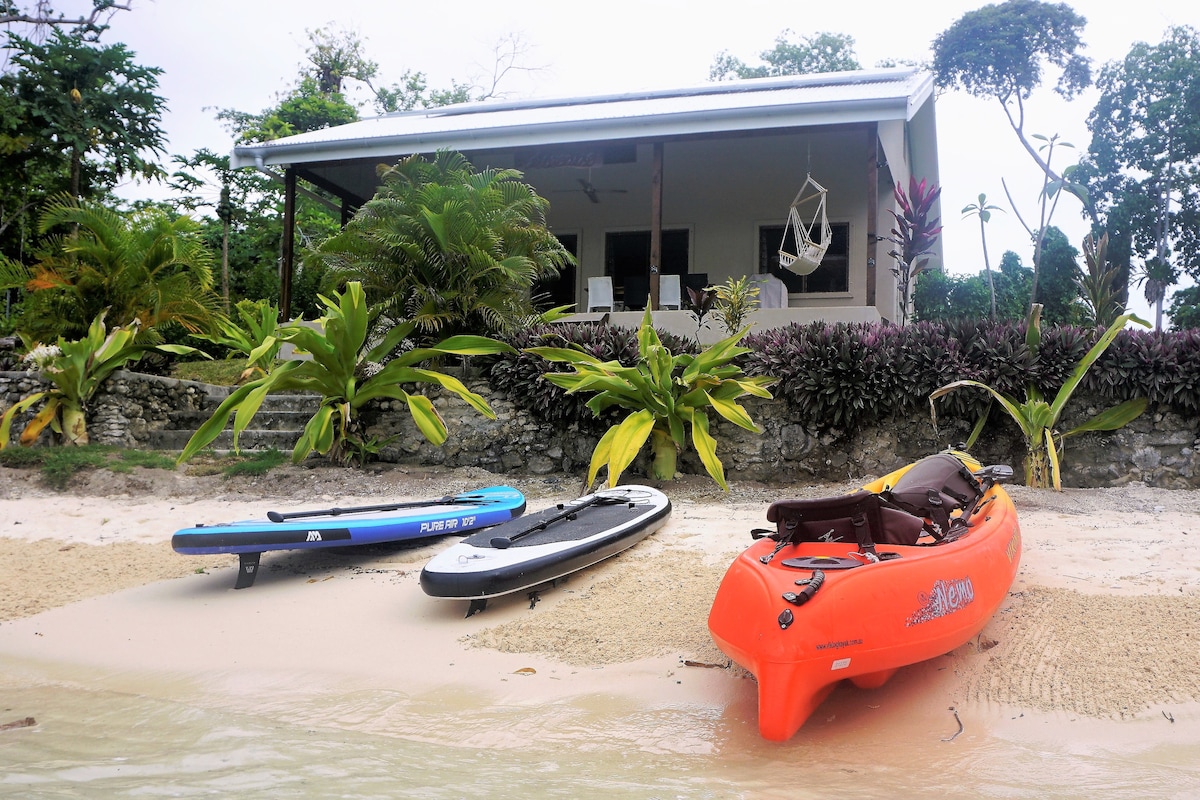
809 227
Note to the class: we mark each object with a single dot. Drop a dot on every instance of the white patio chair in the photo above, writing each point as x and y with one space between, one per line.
600 294
668 292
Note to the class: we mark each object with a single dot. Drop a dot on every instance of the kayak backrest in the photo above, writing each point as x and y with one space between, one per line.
934 488
859 519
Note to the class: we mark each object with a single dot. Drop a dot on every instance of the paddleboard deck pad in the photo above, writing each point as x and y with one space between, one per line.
545 546
348 527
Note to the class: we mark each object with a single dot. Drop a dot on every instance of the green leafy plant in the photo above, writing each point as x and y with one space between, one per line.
342 371
255 338
453 249
735 303
983 209
1097 285
1037 418
76 369
145 265
665 395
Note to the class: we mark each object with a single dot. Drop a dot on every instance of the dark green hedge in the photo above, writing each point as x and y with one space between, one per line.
841 376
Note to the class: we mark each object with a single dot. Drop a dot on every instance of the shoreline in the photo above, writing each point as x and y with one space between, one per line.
1099 625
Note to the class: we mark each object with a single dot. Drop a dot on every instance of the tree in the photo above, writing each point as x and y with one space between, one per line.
1059 291
238 212
448 247
146 267
1001 51
983 210
941 297
820 52
1185 308
1144 158
1048 197
89 110
89 25
1156 276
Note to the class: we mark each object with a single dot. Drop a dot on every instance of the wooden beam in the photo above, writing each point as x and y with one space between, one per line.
287 251
872 210
656 194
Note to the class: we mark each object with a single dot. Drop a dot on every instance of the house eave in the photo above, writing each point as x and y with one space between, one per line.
533 123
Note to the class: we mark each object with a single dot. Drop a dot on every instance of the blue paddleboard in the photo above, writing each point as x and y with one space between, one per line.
347 527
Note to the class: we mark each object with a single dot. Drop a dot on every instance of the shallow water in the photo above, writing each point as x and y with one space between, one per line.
370 744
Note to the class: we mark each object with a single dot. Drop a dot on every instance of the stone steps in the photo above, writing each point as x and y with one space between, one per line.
277 425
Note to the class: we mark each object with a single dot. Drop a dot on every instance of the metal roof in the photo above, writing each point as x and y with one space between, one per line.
759 104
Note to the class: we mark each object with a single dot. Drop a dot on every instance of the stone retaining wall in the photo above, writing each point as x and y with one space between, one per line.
1158 448
126 411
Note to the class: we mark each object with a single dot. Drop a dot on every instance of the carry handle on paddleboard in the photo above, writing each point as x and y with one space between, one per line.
568 512
468 499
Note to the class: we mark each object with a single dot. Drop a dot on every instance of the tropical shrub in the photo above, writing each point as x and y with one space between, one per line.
76 369
915 234
665 394
1162 366
519 374
144 266
1098 283
345 371
452 249
255 338
736 300
1037 418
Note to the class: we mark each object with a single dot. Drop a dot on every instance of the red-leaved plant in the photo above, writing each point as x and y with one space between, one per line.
914 235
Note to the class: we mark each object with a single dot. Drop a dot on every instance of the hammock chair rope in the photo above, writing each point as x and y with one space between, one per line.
809 226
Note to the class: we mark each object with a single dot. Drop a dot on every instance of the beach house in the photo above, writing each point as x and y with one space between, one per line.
657 190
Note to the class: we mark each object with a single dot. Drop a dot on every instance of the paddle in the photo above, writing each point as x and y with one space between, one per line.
568 512
276 516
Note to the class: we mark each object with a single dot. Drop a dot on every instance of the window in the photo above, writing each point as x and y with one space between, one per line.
627 253
832 276
561 290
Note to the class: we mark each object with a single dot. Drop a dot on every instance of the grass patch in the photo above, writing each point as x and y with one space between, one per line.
255 464
21 457
59 464
150 459
222 372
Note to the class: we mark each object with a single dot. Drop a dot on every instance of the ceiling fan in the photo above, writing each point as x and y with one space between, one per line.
592 191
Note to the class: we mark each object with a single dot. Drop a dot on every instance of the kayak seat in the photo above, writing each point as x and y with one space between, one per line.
862 519
934 489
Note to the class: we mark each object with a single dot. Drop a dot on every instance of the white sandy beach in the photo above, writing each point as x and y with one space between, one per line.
1101 623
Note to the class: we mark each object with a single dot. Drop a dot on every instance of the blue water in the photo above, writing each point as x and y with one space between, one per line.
98 744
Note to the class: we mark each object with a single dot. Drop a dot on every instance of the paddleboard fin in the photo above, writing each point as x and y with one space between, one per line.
247 570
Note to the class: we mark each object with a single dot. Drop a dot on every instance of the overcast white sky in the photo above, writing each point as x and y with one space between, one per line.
241 53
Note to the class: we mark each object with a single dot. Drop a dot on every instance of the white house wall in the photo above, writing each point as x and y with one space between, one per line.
721 190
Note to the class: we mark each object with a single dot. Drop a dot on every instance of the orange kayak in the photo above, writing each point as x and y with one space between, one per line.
857 586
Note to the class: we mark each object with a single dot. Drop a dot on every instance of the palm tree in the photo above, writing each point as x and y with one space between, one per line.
984 210
452 249
146 267
1155 277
